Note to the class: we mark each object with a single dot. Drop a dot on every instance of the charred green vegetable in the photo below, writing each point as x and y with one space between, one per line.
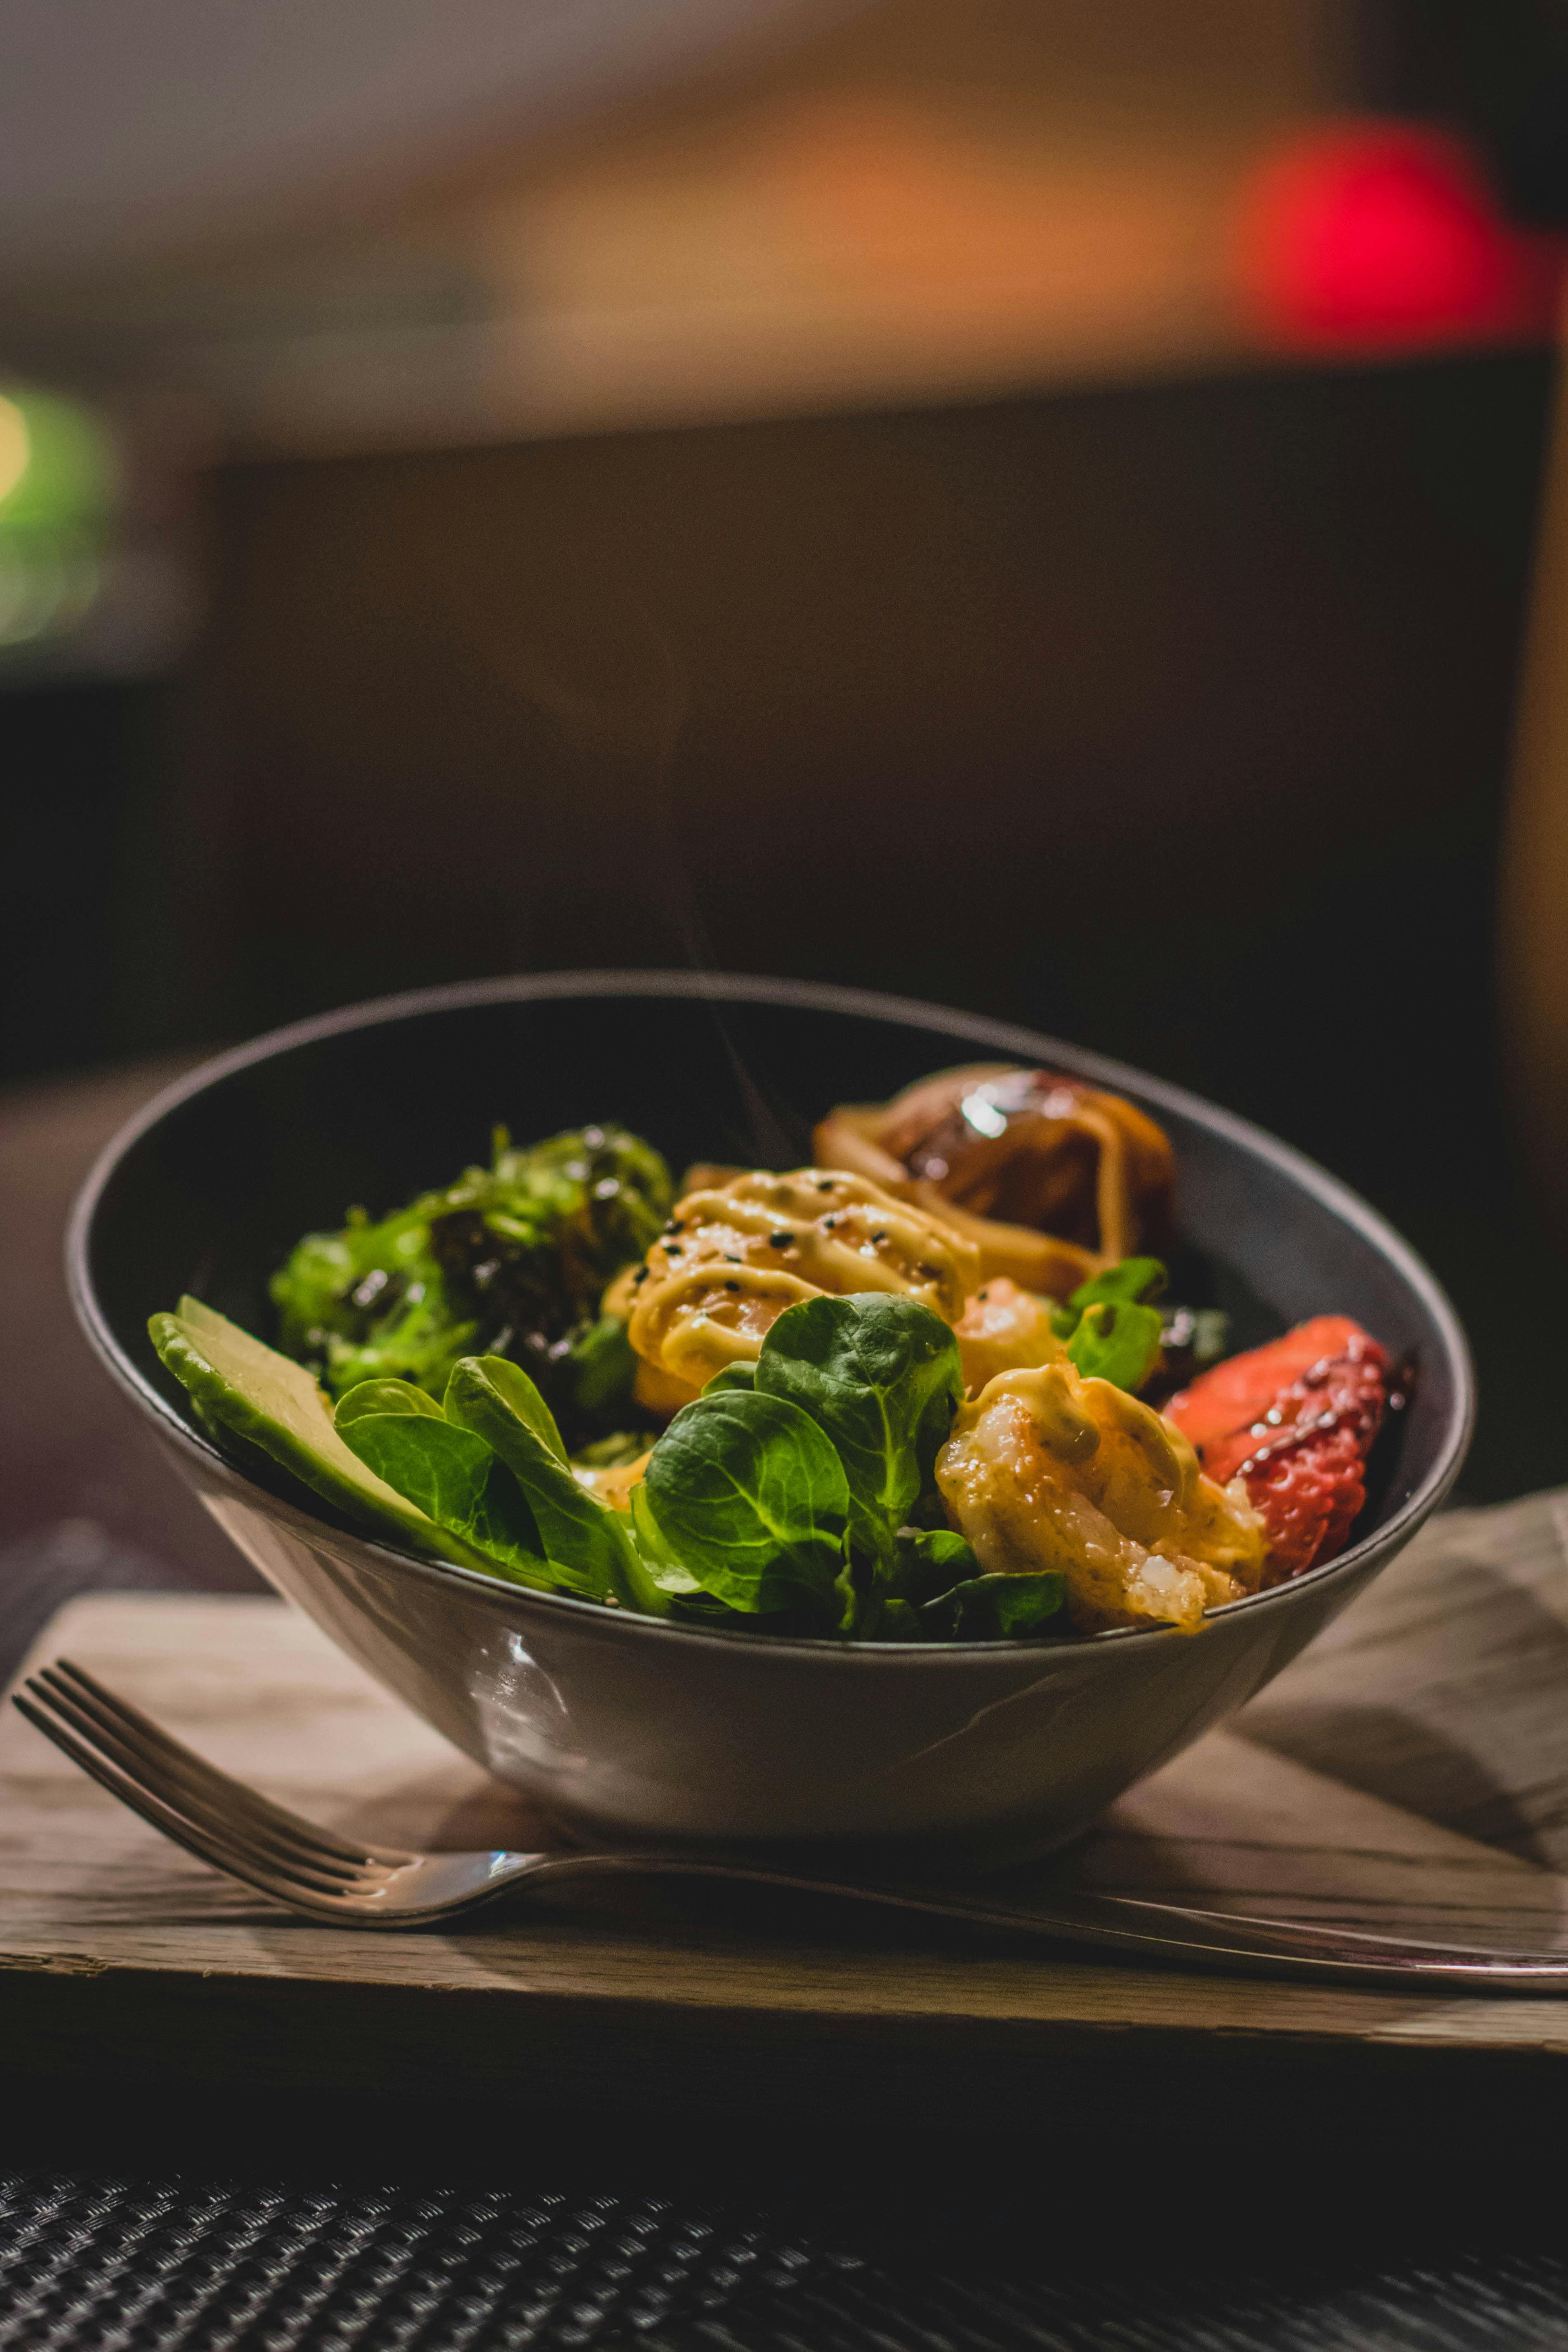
511 1260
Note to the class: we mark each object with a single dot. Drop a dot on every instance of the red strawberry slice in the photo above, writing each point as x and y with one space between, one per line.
1234 1395
1295 1420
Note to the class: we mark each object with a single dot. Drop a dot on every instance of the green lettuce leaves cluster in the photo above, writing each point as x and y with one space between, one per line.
487 1466
797 1496
801 1491
509 1260
785 1498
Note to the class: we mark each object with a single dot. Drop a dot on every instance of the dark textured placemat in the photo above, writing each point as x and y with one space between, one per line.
111 2265
88 2264
1458 2304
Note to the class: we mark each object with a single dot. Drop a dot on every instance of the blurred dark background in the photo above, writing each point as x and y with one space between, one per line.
1156 692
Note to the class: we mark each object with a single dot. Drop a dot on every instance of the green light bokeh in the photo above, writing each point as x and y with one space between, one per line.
57 519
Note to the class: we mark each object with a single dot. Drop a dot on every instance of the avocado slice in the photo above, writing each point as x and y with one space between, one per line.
270 1401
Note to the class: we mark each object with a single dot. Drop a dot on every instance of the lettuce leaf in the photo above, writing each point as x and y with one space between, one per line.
879 1375
746 1495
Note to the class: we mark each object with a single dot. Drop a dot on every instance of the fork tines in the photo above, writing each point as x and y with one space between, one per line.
190 1800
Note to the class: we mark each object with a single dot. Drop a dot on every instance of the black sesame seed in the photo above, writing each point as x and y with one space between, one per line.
781 1241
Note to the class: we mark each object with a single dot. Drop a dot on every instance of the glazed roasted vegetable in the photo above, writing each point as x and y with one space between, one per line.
1050 1179
511 1260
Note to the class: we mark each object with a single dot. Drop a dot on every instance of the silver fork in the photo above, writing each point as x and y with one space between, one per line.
351 1883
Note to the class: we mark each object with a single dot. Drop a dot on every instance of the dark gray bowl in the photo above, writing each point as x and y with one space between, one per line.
625 1726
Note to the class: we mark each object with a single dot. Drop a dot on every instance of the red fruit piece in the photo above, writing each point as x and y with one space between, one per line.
1236 1394
1295 1420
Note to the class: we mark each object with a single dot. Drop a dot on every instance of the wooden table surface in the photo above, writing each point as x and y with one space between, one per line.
120 1954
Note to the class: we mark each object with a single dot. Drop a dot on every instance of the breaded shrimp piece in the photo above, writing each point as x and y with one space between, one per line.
1005 1330
1045 1470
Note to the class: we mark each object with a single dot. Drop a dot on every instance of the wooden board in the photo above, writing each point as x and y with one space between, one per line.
121 1958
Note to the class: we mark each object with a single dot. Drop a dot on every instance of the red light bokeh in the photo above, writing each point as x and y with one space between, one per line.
1386 236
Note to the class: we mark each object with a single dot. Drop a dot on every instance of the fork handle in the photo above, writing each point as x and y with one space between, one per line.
1139 1928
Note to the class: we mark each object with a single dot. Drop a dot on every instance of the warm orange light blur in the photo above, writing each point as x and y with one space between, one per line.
887 196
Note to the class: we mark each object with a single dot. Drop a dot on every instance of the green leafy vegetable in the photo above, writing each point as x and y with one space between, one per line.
880 1374
1117 1342
930 1561
1111 1333
674 1581
450 1473
512 1260
500 1400
601 1368
269 1402
1136 1280
746 1494
993 1608
371 1302
590 1548
383 1396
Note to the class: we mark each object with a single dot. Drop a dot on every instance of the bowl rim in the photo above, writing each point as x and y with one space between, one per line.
824 996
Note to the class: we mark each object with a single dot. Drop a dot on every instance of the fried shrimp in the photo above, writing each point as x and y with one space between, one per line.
734 1256
1047 1471
1005 1330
